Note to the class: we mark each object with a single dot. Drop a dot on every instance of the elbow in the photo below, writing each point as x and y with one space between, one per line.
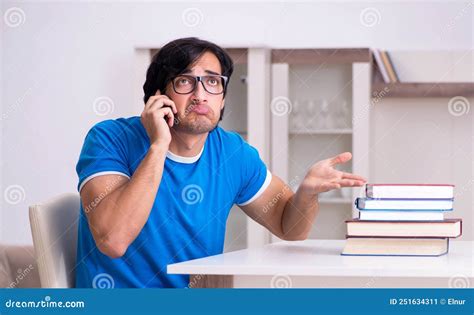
299 236
295 237
112 246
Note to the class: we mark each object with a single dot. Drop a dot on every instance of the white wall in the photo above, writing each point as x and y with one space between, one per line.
428 140
420 141
64 55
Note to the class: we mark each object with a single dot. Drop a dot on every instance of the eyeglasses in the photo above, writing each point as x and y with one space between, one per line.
213 84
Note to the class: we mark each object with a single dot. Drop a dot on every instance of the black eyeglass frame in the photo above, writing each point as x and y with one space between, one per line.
200 79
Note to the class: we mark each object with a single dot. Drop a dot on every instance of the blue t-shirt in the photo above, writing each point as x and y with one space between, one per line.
189 214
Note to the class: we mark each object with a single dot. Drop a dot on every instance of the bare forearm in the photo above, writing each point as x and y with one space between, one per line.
298 216
291 217
127 212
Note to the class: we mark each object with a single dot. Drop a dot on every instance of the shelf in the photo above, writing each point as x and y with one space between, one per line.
411 89
321 56
238 55
322 132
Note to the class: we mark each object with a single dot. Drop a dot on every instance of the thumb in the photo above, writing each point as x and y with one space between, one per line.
158 92
340 158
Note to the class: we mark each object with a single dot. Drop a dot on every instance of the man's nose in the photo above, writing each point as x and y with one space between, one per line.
199 92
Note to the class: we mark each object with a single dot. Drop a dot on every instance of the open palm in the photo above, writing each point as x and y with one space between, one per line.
323 176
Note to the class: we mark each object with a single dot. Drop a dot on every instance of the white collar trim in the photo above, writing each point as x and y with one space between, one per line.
184 159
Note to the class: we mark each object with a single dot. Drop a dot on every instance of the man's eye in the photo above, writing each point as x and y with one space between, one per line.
183 81
212 81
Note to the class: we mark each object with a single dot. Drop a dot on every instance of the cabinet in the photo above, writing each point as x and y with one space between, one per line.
320 107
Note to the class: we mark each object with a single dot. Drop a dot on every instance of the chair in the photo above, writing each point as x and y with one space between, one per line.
54 229
18 267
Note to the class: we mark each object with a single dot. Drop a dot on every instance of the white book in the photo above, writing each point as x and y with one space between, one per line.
362 246
426 191
380 65
447 228
375 215
404 204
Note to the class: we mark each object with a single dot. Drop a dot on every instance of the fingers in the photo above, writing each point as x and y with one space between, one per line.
350 183
156 107
168 114
318 187
156 112
340 158
161 100
164 101
353 176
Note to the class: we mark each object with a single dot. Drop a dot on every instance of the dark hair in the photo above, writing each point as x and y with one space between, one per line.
175 57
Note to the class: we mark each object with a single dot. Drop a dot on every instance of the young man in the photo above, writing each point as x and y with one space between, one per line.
157 189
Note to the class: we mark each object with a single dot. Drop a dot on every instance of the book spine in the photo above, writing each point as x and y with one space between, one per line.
390 72
392 68
356 203
411 199
401 237
380 66
406 209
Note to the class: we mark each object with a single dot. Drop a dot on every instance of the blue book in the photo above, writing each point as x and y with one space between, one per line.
367 204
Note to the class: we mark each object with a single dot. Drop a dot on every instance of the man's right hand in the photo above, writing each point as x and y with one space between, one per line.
157 118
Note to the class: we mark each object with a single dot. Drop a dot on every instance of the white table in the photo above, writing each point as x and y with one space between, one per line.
318 263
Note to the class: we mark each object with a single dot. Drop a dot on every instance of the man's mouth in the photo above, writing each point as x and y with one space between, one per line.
200 109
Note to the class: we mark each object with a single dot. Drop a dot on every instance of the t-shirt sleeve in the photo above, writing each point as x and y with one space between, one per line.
255 176
104 152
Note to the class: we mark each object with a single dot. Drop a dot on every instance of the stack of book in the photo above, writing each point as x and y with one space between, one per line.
403 220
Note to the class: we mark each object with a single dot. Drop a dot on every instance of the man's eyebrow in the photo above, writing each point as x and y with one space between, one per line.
212 72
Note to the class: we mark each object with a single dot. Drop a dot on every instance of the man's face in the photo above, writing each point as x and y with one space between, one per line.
198 111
